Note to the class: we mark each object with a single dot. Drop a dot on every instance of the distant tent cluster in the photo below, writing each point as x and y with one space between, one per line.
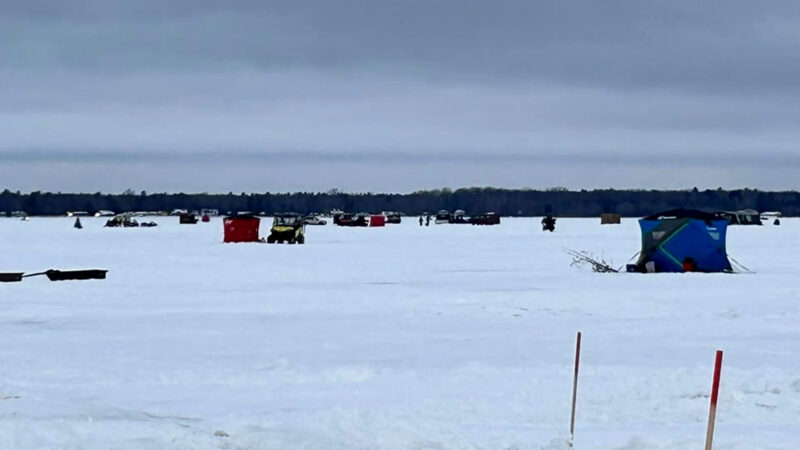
678 240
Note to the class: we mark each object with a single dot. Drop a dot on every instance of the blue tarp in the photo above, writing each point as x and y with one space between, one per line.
670 243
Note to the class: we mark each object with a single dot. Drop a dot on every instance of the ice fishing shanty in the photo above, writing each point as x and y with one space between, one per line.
610 219
683 240
241 228
377 220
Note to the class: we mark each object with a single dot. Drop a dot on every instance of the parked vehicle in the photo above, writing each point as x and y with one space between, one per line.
314 220
443 216
743 217
351 220
392 217
489 218
774 216
459 216
122 220
287 227
187 218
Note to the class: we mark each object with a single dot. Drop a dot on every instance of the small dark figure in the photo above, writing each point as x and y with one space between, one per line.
548 223
427 221
776 222
78 224
420 220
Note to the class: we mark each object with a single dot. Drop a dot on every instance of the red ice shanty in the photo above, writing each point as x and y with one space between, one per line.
377 220
242 228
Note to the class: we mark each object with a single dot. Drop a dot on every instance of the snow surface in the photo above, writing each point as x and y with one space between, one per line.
404 337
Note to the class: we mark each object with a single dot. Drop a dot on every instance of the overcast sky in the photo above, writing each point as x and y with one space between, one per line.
394 96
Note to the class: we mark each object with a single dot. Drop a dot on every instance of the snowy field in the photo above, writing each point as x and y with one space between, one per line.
446 337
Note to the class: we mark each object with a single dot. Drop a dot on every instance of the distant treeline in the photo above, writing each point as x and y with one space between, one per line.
506 202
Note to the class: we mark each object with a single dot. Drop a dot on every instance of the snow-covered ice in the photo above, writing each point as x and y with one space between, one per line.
406 337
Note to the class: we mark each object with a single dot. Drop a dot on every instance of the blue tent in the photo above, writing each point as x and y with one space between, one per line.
684 240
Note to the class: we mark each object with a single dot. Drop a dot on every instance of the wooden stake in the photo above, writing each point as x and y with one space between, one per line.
575 389
712 411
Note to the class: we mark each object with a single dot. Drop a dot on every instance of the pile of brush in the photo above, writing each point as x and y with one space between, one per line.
598 264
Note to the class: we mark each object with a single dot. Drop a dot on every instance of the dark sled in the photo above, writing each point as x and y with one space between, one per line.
10 277
62 275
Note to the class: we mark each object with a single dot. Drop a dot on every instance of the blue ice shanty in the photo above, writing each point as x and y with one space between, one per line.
683 240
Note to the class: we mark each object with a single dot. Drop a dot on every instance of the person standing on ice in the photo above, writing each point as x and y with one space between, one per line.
548 223
78 224
420 220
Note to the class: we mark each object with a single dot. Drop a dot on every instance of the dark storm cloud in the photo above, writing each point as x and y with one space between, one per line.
505 92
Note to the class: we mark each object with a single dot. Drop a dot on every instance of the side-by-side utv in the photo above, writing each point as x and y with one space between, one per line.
288 228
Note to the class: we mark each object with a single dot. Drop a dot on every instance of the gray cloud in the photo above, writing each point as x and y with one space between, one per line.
434 92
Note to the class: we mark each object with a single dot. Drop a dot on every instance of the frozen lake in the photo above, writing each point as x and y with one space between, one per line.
406 337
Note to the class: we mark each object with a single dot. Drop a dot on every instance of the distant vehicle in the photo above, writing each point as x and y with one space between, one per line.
122 220
78 213
209 212
104 213
774 216
340 218
442 216
18 214
393 217
314 220
489 218
459 216
743 217
287 227
351 220
178 212
187 219
365 218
